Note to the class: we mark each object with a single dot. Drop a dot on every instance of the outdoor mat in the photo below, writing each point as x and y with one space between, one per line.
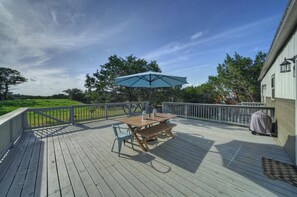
280 171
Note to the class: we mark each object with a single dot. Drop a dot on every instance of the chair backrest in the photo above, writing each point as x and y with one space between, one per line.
115 130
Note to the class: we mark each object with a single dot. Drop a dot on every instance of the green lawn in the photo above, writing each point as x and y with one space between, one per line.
11 105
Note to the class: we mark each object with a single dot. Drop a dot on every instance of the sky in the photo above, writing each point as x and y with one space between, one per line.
55 43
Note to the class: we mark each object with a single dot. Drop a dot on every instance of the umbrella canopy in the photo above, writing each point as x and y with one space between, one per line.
150 80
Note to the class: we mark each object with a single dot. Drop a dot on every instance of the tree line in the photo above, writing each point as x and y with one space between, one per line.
236 81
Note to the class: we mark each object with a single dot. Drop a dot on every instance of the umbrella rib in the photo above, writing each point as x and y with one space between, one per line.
151 78
161 78
139 78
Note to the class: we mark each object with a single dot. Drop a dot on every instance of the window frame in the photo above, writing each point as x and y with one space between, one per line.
273 87
264 90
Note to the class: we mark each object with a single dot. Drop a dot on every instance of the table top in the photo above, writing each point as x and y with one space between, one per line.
138 122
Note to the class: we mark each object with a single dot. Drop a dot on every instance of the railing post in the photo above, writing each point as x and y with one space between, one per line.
10 133
272 114
72 115
186 111
24 120
105 111
163 108
220 114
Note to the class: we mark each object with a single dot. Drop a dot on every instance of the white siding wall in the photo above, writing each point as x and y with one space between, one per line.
284 82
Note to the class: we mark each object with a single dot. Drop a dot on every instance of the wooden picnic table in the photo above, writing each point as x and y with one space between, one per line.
136 124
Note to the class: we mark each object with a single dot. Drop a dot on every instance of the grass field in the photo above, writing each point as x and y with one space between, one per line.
11 105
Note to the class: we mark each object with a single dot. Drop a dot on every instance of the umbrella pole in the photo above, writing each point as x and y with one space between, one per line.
150 97
149 107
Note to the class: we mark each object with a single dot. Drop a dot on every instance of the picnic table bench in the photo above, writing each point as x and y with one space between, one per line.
154 130
148 127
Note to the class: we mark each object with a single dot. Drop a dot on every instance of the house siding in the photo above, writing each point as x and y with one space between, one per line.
285 123
284 82
285 96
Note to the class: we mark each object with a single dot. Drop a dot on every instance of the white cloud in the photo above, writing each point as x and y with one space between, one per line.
38 29
34 33
49 81
196 35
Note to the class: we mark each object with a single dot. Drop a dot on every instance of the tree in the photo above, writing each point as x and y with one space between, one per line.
204 93
100 85
236 82
9 77
239 75
75 94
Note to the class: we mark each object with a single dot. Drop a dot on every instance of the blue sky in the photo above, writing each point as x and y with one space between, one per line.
55 43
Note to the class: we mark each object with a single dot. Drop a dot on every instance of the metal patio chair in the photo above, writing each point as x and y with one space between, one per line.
122 134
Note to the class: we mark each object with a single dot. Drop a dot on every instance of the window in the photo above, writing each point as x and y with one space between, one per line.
273 87
263 100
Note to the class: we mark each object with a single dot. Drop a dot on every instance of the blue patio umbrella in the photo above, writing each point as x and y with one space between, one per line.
150 80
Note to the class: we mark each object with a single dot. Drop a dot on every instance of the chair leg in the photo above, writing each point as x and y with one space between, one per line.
145 144
132 143
113 145
119 146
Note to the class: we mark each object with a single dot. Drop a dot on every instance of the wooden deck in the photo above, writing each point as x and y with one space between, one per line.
204 159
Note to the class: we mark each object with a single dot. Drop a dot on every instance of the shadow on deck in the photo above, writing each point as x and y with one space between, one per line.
204 159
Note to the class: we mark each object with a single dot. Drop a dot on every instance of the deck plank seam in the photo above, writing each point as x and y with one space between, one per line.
102 177
113 165
56 164
19 164
29 150
172 187
182 183
98 150
63 136
28 165
69 139
12 157
65 152
37 169
111 174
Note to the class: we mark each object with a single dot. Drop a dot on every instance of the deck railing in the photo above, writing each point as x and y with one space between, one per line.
43 117
11 127
230 114
14 123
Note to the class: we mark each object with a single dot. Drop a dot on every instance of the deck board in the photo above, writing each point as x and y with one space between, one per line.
204 159
86 178
41 178
20 176
10 173
53 178
97 178
76 182
65 184
113 183
29 183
